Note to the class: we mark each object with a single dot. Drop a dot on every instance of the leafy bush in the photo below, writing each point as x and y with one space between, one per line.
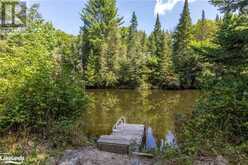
219 124
222 111
38 90
42 102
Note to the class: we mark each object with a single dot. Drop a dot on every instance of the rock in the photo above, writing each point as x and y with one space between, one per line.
135 162
203 162
92 156
30 143
220 160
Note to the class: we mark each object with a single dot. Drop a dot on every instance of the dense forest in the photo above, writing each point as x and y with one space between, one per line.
44 73
125 57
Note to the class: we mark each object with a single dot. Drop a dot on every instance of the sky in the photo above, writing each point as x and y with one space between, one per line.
65 14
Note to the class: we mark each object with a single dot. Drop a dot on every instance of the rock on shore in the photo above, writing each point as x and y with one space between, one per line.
92 156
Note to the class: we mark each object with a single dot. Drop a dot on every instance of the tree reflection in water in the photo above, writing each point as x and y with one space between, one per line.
157 108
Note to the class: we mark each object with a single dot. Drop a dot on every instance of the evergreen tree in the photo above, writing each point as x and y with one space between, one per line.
183 33
204 31
132 34
183 59
101 25
159 37
203 15
232 44
144 42
156 46
155 39
229 6
133 72
203 27
134 25
160 56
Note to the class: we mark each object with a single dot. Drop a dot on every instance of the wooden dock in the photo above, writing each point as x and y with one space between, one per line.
124 138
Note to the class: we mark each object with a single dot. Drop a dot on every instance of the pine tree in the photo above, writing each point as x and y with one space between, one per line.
156 45
134 24
203 27
155 39
159 58
133 70
203 16
101 25
232 39
159 37
132 34
90 75
183 33
143 41
183 60
228 6
204 30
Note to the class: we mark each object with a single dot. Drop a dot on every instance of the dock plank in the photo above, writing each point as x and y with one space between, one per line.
122 138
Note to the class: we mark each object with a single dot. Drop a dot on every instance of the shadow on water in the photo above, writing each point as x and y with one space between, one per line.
157 108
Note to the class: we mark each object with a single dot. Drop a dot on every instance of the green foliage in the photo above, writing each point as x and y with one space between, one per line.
157 40
231 5
219 123
223 108
183 34
106 55
100 38
204 30
133 69
133 28
174 155
232 42
184 60
114 56
42 102
159 60
38 89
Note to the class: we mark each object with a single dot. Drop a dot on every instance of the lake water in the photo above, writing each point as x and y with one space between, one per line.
157 108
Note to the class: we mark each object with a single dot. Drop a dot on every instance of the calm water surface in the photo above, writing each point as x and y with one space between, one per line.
157 108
